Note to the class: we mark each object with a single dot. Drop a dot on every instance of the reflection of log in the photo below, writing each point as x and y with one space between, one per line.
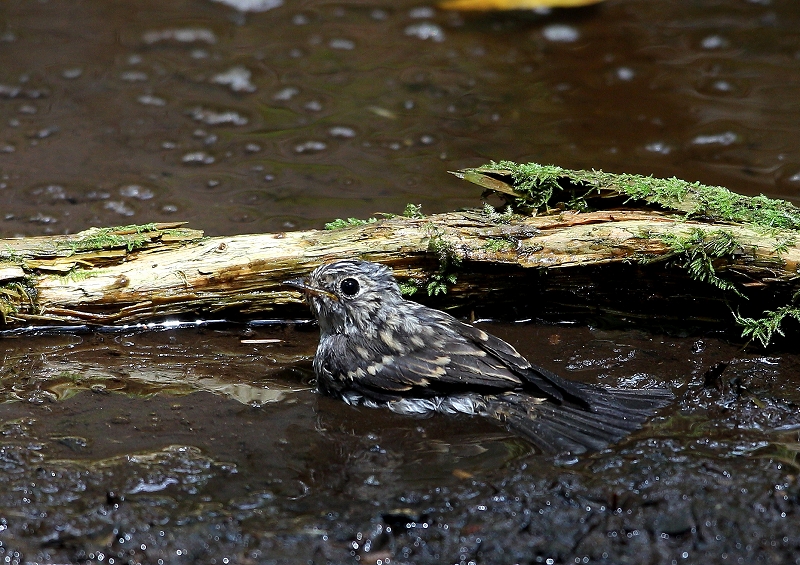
123 275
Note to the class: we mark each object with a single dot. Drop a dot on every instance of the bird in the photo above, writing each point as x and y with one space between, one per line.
379 349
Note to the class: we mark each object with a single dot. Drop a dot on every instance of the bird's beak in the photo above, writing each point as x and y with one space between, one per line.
308 290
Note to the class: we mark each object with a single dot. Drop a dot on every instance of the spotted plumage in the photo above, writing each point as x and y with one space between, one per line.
378 349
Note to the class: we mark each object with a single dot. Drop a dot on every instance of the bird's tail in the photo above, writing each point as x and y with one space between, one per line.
555 427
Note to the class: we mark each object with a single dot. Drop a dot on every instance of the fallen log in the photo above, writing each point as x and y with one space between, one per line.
138 273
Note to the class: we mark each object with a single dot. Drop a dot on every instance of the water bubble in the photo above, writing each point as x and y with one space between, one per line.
97 195
726 138
70 74
300 20
17 92
426 30
214 118
40 218
625 73
658 147
151 100
342 131
286 94
252 5
344 44
119 207
714 42
180 35
561 33
313 105
46 132
421 12
136 191
133 76
53 191
252 148
236 78
197 158
310 146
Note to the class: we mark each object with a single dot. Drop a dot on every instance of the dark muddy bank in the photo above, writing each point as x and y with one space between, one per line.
190 445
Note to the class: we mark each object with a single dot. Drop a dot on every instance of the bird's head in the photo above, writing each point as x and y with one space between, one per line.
349 294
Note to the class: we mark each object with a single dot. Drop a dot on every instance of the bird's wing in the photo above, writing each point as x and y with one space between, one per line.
453 365
549 383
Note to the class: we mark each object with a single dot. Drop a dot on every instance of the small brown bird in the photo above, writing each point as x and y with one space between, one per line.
378 349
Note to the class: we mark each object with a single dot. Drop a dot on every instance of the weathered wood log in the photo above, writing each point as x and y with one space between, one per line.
138 273
134 274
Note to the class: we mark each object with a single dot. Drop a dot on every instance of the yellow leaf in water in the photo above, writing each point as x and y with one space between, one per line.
512 4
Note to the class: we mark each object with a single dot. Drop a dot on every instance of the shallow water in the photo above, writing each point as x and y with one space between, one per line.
193 445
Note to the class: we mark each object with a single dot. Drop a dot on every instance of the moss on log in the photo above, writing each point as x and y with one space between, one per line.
137 273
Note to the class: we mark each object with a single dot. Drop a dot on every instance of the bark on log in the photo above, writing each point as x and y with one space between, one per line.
137 273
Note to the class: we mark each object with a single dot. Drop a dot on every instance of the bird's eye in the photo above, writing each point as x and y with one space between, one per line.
349 287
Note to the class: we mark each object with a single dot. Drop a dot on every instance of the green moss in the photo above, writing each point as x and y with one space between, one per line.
697 251
339 223
10 255
764 328
12 296
413 211
449 260
496 217
77 274
534 186
105 238
498 244
408 288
